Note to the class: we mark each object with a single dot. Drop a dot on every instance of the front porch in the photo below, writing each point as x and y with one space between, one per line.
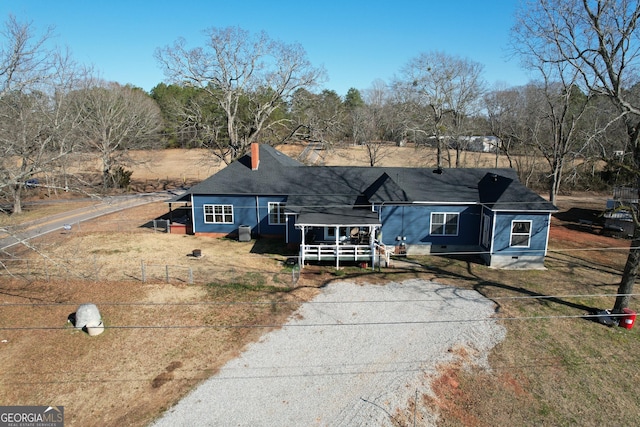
342 243
338 234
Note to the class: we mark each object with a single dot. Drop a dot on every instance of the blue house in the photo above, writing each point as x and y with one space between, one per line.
343 213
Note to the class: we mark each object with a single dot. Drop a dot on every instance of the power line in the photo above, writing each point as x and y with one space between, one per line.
316 325
271 302
306 372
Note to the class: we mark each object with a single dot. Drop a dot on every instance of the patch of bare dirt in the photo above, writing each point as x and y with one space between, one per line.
160 338
577 227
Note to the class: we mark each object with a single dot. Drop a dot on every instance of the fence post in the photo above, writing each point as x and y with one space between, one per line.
143 272
166 271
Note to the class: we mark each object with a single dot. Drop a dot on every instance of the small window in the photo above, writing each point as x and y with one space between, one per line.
444 224
520 233
343 233
218 214
276 213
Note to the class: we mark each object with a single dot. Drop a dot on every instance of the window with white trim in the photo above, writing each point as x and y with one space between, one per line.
218 214
276 213
520 233
344 233
444 223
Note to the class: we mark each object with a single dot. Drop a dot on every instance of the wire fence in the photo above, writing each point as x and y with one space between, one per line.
93 269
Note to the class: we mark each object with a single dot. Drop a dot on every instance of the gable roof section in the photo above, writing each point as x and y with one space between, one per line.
385 189
238 178
507 194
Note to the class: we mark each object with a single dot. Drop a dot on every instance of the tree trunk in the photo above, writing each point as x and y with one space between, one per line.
17 199
629 275
633 259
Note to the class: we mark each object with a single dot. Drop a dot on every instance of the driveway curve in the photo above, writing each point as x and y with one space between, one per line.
11 236
355 355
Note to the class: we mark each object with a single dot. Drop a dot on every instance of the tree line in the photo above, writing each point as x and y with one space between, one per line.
581 111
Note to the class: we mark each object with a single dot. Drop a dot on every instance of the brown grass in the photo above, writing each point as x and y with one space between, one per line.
161 339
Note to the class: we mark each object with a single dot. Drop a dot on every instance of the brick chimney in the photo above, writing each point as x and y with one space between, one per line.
255 156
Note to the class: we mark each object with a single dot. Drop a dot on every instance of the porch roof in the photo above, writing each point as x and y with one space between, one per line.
338 217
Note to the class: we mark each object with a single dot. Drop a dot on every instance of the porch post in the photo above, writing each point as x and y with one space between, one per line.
337 248
372 245
302 247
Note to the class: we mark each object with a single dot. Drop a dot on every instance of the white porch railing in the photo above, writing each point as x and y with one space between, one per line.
328 252
331 252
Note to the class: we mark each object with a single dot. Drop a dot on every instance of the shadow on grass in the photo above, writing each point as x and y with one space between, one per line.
581 214
272 246
181 215
460 268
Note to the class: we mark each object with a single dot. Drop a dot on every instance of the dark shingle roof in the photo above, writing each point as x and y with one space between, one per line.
385 189
333 186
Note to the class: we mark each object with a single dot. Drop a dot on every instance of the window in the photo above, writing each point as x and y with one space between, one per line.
218 214
276 213
520 233
444 224
486 231
330 233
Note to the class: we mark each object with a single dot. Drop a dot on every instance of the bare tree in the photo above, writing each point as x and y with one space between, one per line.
445 85
317 118
503 106
36 121
599 40
369 122
249 76
117 119
24 57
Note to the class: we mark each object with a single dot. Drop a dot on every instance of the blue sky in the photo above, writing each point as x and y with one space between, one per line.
357 42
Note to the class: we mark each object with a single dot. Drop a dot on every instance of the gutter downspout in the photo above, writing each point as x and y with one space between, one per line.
193 216
258 215
546 243
493 236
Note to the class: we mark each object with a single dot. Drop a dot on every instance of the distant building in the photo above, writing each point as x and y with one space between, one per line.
481 144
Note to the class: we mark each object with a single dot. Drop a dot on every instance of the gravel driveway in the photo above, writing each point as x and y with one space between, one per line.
356 355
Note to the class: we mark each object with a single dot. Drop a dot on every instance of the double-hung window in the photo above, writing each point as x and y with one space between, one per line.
218 214
276 213
520 233
444 223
